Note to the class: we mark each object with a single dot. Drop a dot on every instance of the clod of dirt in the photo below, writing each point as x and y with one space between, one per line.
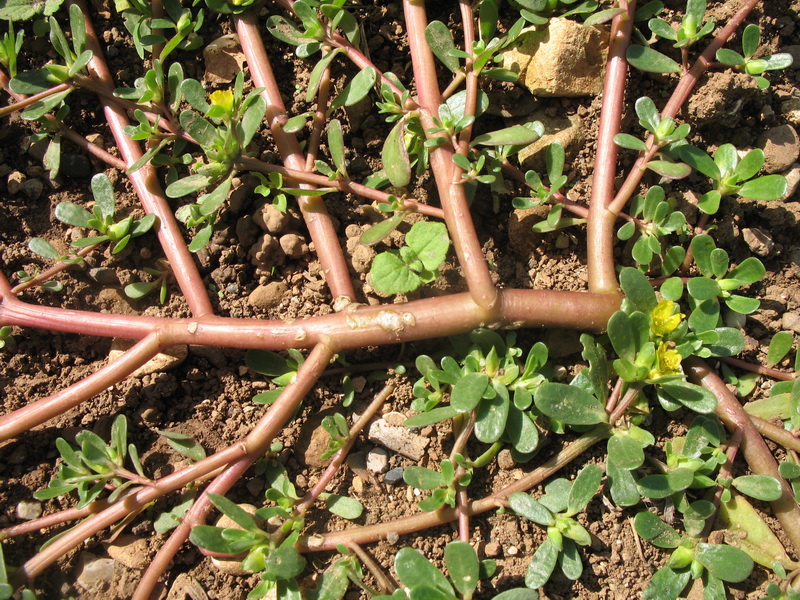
398 439
266 253
163 361
293 245
246 231
130 551
759 241
567 131
270 219
565 59
721 98
93 571
223 59
781 147
268 296
520 236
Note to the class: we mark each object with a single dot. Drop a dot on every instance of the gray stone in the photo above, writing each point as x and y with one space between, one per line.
791 321
32 188
268 296
28 510
759 241
781 146
394 476
92 570
791 110
398 439
168 359
565 59
104 275
377 460
75 166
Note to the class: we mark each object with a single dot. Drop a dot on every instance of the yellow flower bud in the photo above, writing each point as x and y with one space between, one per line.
662 321
222 98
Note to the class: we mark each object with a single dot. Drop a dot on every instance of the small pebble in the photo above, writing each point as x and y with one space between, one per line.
358 484
394 476
792 181
377 460
562 242
492 549
104 276
268 296
505 460
781 146
14 182
512 551
759 241
28 510
93 570
32 188
395 419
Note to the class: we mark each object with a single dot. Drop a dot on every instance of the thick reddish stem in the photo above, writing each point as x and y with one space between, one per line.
147 186
600 233
318 221
451 195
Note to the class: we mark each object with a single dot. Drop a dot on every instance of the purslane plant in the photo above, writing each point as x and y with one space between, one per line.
650 359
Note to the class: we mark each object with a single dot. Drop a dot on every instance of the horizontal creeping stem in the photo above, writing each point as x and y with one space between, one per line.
357 326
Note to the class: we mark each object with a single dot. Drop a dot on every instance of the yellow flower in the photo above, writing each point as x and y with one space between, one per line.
668 361
662 321
222 98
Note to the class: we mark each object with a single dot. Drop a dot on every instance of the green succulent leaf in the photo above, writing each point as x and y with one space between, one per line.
569 404
760 487
725 562
463 567
542 564
413 568
651 61
531 509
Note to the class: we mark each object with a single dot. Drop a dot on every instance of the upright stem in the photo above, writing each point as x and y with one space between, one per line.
451 194
145 182
600 233
318 221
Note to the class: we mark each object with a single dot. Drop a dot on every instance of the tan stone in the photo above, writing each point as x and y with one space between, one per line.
223 59
567 131
564 59
129 551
